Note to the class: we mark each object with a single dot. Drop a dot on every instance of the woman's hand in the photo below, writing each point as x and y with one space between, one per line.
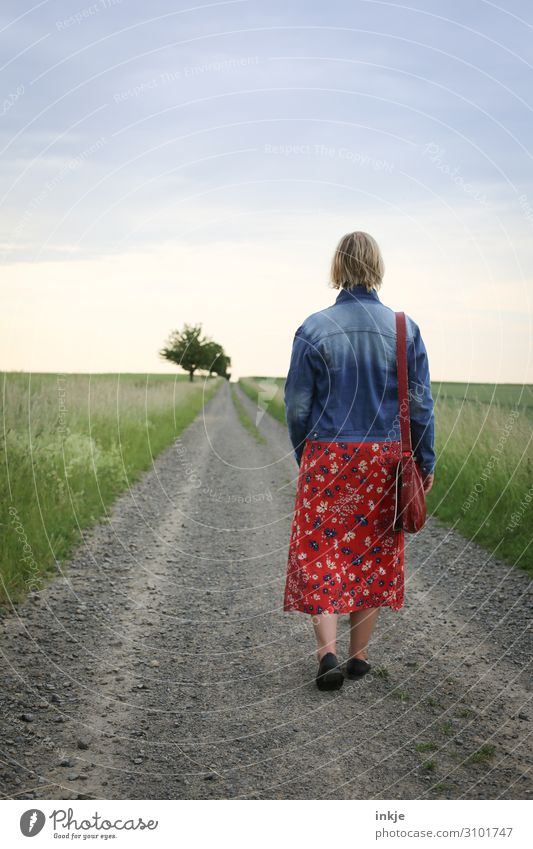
427 481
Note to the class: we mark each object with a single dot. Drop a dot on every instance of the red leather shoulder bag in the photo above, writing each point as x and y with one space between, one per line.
410 512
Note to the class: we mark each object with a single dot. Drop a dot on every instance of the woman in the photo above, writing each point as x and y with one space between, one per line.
341 399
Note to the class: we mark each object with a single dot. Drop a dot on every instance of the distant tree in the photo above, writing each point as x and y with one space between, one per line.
190 350
220 361
225 364
215 358
186 348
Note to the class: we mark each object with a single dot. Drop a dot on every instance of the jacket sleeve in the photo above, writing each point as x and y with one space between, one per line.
421 405
299 392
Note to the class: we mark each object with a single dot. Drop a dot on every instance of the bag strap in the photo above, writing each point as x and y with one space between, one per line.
401 367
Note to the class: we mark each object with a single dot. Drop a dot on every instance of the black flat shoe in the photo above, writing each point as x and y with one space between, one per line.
356 668
329 676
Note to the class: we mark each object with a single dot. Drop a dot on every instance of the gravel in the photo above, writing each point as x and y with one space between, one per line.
164 644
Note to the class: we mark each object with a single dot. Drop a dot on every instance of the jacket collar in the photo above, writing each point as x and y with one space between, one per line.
356 294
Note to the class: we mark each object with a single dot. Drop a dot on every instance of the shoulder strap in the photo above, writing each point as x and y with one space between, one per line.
401 366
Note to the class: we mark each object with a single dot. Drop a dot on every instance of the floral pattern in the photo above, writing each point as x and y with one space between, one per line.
344 554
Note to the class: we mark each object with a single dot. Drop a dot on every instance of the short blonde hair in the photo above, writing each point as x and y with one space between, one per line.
357 261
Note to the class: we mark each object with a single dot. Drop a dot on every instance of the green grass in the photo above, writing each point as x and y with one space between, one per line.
245 419
482 755
484 475
426 747
465 713
429 766
267 393
493 394
381 672
70 445
401 695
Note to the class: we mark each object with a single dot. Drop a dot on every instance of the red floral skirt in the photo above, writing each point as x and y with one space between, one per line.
344 554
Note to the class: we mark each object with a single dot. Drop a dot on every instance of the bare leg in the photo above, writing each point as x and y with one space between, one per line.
361 626
325 625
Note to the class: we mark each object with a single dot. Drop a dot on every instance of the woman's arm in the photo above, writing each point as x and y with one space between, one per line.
421 404
299 391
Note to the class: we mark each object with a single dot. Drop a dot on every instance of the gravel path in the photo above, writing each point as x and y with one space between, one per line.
160 664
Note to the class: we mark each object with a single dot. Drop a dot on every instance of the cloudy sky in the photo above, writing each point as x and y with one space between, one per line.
163 165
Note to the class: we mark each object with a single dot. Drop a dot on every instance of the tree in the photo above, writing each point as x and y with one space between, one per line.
213 352
190 350
186 348
217 361
226 363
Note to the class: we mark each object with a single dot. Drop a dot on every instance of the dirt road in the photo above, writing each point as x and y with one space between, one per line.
160 664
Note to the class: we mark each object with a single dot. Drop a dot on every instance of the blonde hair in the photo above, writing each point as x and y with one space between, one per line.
357 261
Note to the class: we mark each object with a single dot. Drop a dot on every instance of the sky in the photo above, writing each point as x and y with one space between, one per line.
196 162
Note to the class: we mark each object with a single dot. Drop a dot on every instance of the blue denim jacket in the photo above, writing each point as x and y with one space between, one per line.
342 383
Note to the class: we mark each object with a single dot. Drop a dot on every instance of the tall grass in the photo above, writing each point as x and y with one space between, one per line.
70 444
267 393
245 419
495 394
484 475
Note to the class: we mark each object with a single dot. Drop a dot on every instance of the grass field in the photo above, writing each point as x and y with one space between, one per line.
245 419
267 393
484 475
493 394
70 444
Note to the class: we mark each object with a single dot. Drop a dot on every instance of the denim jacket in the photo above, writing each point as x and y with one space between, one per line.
342 383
